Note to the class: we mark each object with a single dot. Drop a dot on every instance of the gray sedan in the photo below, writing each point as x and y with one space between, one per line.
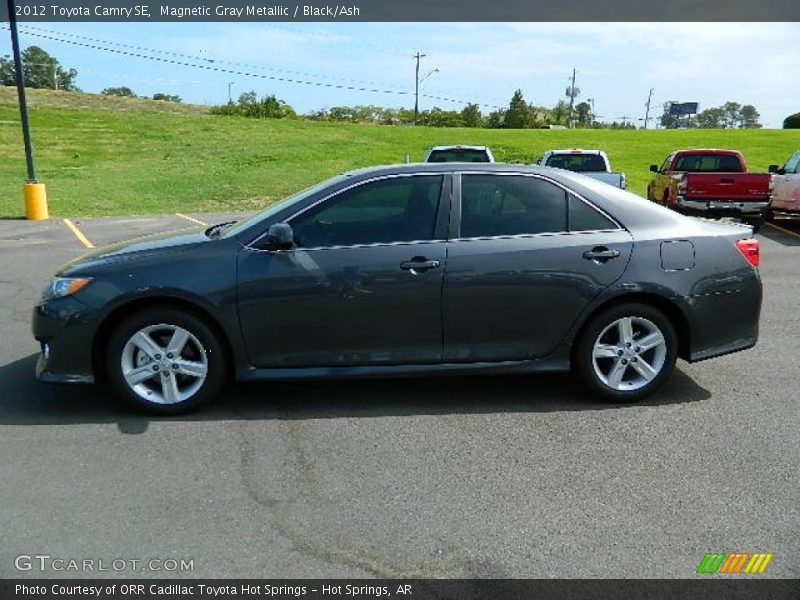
411 269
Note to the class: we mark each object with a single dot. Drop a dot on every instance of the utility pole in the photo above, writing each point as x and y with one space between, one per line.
572 93
230 99
647 113
417 56
33 191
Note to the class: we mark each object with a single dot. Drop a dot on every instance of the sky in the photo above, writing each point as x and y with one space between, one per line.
617 63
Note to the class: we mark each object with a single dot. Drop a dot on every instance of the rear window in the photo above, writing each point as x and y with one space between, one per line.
458 155
580 163
708 163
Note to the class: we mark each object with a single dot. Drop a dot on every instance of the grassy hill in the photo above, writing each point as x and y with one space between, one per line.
107 156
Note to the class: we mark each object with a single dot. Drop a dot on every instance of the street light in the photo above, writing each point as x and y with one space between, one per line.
428 75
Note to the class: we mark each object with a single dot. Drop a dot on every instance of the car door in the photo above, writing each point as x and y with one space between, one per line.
526 258
786 194
661 180
361 287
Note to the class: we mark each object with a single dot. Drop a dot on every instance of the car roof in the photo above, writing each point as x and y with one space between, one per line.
446 167
456 147
574 151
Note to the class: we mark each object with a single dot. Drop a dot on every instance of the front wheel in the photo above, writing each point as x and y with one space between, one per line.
165 361
626 352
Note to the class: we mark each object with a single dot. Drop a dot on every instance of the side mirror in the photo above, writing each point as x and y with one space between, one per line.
654 168
280 236
776 169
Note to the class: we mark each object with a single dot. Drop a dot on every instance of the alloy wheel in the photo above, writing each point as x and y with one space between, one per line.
164 364
629 353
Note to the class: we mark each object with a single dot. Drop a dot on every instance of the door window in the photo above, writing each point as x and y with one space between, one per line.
399 209
503 205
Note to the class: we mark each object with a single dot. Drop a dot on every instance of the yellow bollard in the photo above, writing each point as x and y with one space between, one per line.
35 201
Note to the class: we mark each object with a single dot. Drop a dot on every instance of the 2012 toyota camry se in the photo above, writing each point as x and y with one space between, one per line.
411 269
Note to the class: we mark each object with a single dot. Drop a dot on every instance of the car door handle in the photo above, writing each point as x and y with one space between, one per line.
600 253
419 264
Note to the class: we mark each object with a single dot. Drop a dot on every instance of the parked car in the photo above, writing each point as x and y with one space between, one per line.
439 154
593 163
410 269
786 184
712 183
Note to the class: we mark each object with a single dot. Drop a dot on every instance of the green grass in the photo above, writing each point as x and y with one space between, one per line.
101 156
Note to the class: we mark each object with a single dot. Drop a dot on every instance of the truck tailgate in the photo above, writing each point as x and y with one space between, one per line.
735 187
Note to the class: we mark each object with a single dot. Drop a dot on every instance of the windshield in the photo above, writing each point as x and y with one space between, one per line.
580 163
279 206
458 155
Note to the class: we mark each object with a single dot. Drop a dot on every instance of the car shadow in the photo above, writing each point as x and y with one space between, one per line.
25 401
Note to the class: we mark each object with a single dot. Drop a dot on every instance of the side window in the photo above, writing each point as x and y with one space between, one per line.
499 205
666 162
583 217
793 164
399 209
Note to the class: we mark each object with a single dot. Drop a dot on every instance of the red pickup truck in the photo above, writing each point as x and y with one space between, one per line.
713 183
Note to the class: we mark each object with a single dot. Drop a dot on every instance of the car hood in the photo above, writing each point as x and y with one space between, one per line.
137 248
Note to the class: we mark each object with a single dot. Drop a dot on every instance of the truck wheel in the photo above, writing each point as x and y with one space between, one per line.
665 200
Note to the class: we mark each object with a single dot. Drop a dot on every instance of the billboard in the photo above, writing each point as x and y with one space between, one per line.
681 109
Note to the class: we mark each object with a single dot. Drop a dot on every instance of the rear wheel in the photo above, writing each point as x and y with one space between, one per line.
165 361
626 352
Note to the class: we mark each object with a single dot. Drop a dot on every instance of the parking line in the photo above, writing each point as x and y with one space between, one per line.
192 219
786 231
78 234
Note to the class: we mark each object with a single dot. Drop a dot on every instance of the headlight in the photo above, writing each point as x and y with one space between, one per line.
64 286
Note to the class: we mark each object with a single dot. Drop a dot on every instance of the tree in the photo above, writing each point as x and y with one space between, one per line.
166 97
560 113
517 116
732 114
584 116
496 119
748 117
792 121
471 116
270 107
667 120
119 91
436 117
40 70
711 118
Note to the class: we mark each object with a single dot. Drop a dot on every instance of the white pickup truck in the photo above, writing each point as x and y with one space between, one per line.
593 163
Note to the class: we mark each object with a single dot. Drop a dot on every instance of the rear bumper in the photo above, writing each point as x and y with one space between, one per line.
722 208
738 330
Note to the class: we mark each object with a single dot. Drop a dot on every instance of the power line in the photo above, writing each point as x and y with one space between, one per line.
211 66
32 30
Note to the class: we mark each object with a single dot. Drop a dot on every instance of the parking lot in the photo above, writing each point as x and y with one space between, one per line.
436 477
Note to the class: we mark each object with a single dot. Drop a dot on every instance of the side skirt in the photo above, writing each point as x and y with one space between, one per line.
549 365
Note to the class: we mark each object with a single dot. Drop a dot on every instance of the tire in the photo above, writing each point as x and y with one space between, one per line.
665 200
617 377
182 377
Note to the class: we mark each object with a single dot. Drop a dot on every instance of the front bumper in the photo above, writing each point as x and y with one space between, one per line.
65 328
722 208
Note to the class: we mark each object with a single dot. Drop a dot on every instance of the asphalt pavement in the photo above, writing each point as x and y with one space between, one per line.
520 476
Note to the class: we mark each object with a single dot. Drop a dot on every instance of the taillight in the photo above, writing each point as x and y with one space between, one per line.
749 249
